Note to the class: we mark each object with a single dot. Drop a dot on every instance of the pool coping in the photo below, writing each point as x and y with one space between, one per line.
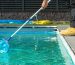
33 26
69 49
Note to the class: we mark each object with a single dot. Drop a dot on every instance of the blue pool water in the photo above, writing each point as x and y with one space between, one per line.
11 21
34 46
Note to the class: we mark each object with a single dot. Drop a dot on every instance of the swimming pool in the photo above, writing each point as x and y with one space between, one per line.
35 46
13 21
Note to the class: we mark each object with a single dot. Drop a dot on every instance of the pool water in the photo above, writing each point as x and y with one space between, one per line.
34 46
13 21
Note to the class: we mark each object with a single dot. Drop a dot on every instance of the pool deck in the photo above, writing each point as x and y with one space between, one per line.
69 39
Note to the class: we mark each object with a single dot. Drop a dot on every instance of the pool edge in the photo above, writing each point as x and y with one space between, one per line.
70 51
31 26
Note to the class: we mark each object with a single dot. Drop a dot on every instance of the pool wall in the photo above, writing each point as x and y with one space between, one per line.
69 50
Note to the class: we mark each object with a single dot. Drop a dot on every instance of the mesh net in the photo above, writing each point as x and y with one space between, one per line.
4 46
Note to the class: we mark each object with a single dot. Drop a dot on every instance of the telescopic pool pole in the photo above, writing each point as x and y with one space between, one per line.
4 46
27 21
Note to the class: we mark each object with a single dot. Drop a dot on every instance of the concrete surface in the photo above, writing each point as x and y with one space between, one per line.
69 39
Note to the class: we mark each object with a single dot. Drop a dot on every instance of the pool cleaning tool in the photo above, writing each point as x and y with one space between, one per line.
4 46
